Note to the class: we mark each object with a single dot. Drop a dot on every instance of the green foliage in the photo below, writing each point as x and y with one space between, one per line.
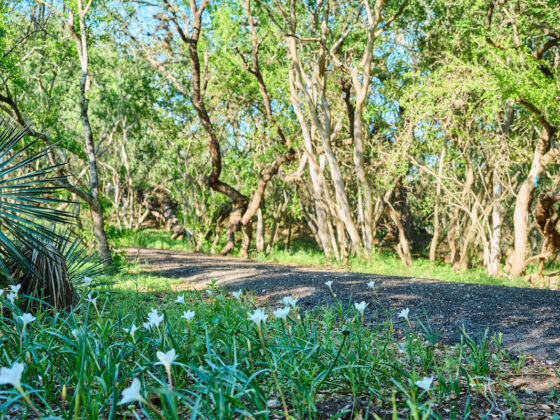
226 366
25 194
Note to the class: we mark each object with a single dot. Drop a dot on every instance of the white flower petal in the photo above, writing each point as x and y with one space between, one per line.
11 297
132 393
26 318
291 301
281 313
361 307
425 383
258 316
166 359
15 289
188 315
12 376
403 313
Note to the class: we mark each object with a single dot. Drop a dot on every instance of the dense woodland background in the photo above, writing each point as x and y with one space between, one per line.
428 128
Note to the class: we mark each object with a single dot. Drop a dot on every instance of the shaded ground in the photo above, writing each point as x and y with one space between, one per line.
527 318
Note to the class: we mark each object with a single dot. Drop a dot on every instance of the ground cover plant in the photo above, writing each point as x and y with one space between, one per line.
136 350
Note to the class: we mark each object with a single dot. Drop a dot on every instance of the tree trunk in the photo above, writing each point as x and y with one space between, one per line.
453 229
95 205
543 156
260 231
494 258
433 246
403 248
314 172
246 241
361 172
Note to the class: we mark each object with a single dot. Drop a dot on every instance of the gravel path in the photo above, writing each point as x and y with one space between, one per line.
529 319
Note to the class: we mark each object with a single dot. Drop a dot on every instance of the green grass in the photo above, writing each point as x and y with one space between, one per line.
306 254
148 238
77 364
391 265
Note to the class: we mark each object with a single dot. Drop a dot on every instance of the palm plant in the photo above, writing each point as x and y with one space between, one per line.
59 265
43 259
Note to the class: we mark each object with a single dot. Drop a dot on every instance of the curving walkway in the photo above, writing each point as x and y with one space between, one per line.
529 319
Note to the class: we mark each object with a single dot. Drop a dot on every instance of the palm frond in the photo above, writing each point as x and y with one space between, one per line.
25 195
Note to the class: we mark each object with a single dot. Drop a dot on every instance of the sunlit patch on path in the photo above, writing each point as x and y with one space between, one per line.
527 318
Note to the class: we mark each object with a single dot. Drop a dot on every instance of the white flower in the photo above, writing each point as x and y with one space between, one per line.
166 359
291 301
154 318
282 313
188 315
425 383
258 316
15 288
147 325
237 295
76 333
11 297
329 284
87 280
91 299
131 330
26 319
371 284
361 307
403 313
12 376
180 299
132 393
209 292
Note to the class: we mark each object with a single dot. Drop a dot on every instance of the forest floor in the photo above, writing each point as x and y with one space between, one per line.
526 318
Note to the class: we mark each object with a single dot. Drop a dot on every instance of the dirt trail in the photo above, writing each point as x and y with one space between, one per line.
529 319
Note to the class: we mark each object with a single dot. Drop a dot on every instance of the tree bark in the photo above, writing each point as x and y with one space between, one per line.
433 246
543 156
260 231
95 206
494 258
453 229
403 248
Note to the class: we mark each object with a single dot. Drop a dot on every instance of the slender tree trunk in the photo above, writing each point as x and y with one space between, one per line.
453 229
361 173
260 231
494 257
342 201
433 246
95 205
314 172
403 248
520 220
289 238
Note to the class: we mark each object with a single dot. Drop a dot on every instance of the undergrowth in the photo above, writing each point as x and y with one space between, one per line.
135 350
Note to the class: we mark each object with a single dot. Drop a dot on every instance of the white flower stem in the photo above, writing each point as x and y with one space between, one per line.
153 408
28 401
170 382
274 374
